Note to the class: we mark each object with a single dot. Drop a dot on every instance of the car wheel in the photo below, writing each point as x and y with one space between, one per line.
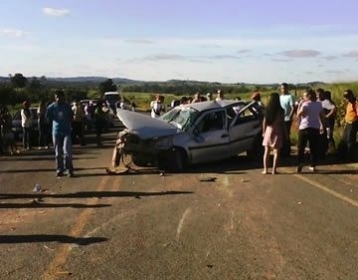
140 161
176 160
257 150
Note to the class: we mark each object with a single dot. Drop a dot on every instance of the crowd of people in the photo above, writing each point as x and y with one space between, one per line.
158 107
57 123
314 114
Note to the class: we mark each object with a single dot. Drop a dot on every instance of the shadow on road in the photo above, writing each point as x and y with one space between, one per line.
40 158
38 204
83 241
99 194
53 170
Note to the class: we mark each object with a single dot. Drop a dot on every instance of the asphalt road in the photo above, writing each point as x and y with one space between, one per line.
218 221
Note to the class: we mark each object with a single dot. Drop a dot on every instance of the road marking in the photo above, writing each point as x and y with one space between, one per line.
180 225
229 226
64 252
114 188
327 190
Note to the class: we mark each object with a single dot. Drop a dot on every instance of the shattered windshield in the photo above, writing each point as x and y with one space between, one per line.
180 117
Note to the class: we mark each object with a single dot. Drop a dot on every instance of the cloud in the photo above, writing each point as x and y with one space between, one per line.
281 60
334 72
351 54
159 57
301 53
13 32
243 51
139 41
224 56
165 57
330 57
211 42
56 12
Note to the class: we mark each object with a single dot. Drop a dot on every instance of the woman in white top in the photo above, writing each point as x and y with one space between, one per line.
311 125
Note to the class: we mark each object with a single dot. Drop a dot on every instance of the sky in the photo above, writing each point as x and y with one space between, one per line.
227 41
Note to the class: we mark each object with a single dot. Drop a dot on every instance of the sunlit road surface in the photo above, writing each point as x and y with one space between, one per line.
218 221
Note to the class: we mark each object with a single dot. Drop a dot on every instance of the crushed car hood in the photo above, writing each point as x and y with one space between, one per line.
144 126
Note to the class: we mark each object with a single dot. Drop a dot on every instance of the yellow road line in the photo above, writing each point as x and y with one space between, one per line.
64 252
327 190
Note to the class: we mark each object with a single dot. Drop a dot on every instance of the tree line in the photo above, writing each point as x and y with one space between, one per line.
18 88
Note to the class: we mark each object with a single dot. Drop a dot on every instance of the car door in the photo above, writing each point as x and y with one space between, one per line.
244 129
210 138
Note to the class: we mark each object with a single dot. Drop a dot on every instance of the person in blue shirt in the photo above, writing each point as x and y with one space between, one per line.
61 116
288 105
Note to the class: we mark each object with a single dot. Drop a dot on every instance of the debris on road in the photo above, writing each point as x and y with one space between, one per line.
162 174
64 273
46 247
37 188
117 171
299 203
208 179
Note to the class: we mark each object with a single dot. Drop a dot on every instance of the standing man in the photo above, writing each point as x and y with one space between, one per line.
26 125
288 105
78 124
219 95
157 107
61 115
351 126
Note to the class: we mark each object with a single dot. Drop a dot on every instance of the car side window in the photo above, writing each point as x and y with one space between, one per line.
211 121
245 116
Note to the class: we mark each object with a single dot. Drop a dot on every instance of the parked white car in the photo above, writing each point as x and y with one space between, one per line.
193 133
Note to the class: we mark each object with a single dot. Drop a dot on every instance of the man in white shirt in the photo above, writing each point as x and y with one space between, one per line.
219 95
288 105
157 107
26 117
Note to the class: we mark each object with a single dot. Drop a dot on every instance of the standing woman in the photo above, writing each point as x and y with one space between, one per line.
311 125
274 131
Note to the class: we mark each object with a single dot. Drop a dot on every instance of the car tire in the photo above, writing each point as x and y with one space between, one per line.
176 160
140 162
257 150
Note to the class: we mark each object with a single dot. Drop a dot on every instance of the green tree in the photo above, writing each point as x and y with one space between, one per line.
18 80
35 84
107 85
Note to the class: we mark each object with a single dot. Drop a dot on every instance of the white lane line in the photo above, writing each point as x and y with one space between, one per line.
327 190
180 225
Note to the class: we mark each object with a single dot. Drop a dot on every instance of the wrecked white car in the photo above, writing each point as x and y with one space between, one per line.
193 133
